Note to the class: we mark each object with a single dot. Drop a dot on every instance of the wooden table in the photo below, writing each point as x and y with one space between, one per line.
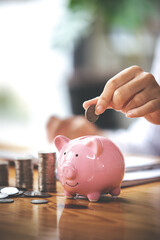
135 214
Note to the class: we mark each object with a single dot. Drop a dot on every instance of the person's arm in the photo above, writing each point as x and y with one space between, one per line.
72 127
133 92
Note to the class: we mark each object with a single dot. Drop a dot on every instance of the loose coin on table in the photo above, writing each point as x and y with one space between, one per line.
19 194
41 201
90 114
9 190
29 194
6 200
3 195
37 194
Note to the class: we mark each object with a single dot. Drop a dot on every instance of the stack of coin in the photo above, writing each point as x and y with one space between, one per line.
3 173
46 172
24 173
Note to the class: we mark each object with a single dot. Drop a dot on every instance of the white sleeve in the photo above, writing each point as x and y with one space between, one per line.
142 137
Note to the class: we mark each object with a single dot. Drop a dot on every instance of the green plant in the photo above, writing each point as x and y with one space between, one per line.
126 13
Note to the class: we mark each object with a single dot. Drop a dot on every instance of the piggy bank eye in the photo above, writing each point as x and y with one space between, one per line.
76 155
64 153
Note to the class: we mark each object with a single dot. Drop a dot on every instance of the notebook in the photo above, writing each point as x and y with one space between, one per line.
140 170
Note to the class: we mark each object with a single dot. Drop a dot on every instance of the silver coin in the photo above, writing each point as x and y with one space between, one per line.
20 193
3 195
6 200
42 194
9 190
37 194
42 201
90 114
80 197
29 193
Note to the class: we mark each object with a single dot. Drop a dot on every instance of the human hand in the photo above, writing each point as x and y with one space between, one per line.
133 92
73 127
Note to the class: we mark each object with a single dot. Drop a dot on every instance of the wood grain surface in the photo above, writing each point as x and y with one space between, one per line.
135 214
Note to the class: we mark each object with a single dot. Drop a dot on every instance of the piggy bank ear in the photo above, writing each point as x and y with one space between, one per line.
60 141
96 145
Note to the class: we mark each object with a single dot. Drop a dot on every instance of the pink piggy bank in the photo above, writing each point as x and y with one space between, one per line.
89 165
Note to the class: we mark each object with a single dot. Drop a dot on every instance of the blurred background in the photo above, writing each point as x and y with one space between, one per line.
56 54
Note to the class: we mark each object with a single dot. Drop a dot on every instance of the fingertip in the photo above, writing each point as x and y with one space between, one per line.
92 101
99 109
130 114
84 105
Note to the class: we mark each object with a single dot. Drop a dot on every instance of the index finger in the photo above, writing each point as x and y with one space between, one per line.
93 101
113 84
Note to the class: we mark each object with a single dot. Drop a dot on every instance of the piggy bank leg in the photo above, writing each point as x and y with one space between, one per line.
93 197
67 195
115 191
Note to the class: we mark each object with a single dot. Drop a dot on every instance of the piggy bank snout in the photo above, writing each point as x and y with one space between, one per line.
69 172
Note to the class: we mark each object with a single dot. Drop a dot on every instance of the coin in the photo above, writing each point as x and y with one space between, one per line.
90 114
24 173
20 193
42 201
29 194
42 194
46 172
3 195
37 194
9 190
6 200
3 173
